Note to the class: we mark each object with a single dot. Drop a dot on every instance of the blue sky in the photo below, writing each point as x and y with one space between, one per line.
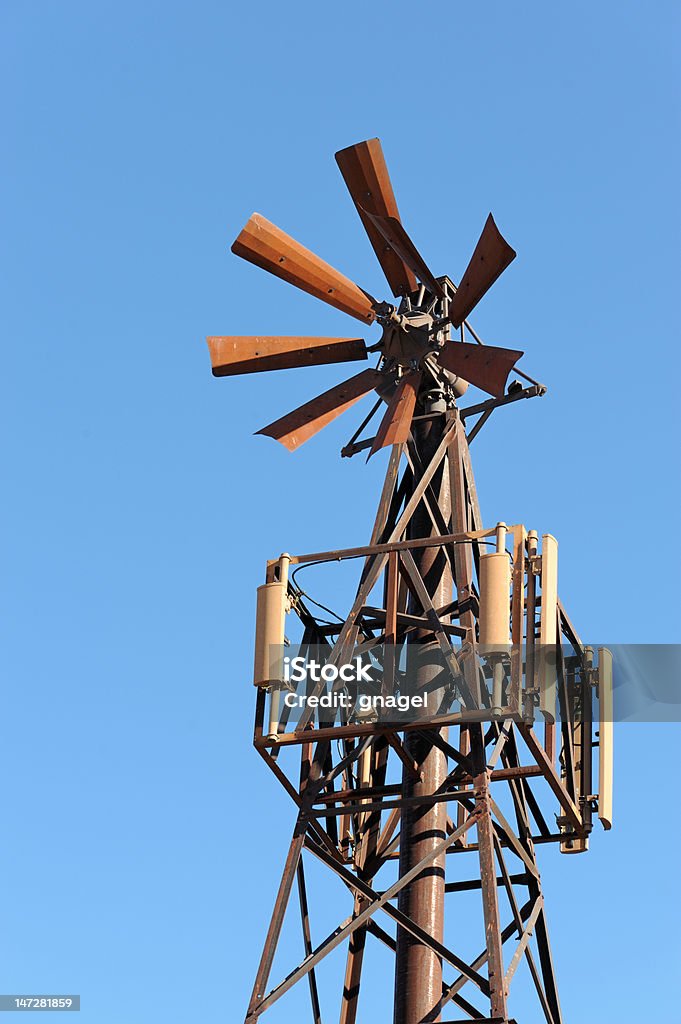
139 509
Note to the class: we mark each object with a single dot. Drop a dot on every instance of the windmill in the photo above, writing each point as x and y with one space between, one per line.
416 350
495 648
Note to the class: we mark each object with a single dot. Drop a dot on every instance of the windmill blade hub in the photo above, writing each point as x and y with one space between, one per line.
408 336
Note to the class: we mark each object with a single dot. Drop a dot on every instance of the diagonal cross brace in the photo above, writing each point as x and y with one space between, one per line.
458 983
375 565
524 939
402 919
352 924
436 625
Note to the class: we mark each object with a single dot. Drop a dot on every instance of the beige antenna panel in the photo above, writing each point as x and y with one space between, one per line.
495 600
269 632
548 629
270 623
495 611
605 749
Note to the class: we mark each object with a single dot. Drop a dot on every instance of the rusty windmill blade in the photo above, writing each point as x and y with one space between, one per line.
491 257
485 366
399 241
269 247
366 175
233 355
396 423
304 422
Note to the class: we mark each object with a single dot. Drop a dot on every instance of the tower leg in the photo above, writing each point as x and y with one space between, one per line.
488 880
280 905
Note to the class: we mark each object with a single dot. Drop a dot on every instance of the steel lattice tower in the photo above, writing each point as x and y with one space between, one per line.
392 806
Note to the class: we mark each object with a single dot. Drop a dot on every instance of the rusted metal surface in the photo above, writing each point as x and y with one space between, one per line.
277 920
486 366
266 245
307 942
490 258
353 970
396 423
381 901
355 730
234 355
488 884
399 241
564 799
376 901
462 500
425 550
299 426
461 488
390 624
370 550
418 969
423 794
491 404
415 335
365 173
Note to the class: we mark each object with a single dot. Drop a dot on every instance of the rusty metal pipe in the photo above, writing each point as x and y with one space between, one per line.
418 970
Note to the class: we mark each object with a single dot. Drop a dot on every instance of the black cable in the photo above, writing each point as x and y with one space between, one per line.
303 593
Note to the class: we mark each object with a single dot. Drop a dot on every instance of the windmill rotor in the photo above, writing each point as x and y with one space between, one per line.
417 352
462 623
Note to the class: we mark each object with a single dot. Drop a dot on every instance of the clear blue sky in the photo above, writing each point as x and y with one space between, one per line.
138 508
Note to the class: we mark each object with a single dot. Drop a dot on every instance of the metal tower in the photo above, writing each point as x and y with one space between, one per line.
410 809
